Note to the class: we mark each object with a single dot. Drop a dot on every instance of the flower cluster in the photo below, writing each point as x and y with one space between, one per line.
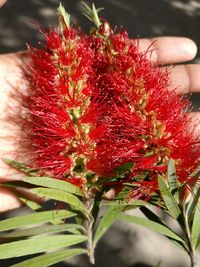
97 103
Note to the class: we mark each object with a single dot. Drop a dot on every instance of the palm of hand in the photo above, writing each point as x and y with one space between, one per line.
183 77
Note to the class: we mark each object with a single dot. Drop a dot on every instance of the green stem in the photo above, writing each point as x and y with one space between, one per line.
191 251
89 232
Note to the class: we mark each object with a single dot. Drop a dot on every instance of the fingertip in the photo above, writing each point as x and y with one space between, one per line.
8 201
172 50
188 47
2 2
169 49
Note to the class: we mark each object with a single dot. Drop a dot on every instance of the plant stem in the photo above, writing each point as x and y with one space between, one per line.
191 251
89 231
192 259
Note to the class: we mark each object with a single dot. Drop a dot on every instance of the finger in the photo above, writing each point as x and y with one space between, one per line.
2 2
8 173
168 50
185 78
8 201
10 63
11 78
195 122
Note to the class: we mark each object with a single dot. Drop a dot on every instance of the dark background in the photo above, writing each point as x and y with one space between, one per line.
123 246
142 18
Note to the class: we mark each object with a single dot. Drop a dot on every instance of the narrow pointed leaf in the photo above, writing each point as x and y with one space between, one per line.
60 196
198 243
21 167
172 179
196 227
196 173
55 184
168 199
109 217
100 9
45 229
124 169
38 244
151 215
194 201
31 204
50 258
96 206
86 7
131 204
66 16
159 228
125 204
34 218
92 13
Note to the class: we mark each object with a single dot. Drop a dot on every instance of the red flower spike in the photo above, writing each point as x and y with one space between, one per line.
98 103
59 90
133 87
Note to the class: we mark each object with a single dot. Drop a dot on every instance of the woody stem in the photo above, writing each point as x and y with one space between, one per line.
89 231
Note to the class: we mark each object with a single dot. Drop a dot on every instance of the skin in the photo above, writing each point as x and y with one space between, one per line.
2 2
167 50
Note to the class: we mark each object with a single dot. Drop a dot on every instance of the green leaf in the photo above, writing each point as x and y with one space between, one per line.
121 197
124 203
151 215
154 218
196 227
198 243
17 189
141 176
196 173
38 244
60 196
172 179
157 227
66 16
96 205
193 202
50 258
134 203
34 218
54 183
31 204
124 169
92 13
44 229
168 199
107 220
21 167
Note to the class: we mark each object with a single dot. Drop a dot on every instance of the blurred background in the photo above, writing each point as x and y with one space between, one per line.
124 245
142 18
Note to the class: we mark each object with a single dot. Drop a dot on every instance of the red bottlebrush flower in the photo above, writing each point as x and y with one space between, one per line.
144 121
59 94
97 103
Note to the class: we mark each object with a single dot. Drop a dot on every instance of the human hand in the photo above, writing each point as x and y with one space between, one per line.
2 2
10 77
168 50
